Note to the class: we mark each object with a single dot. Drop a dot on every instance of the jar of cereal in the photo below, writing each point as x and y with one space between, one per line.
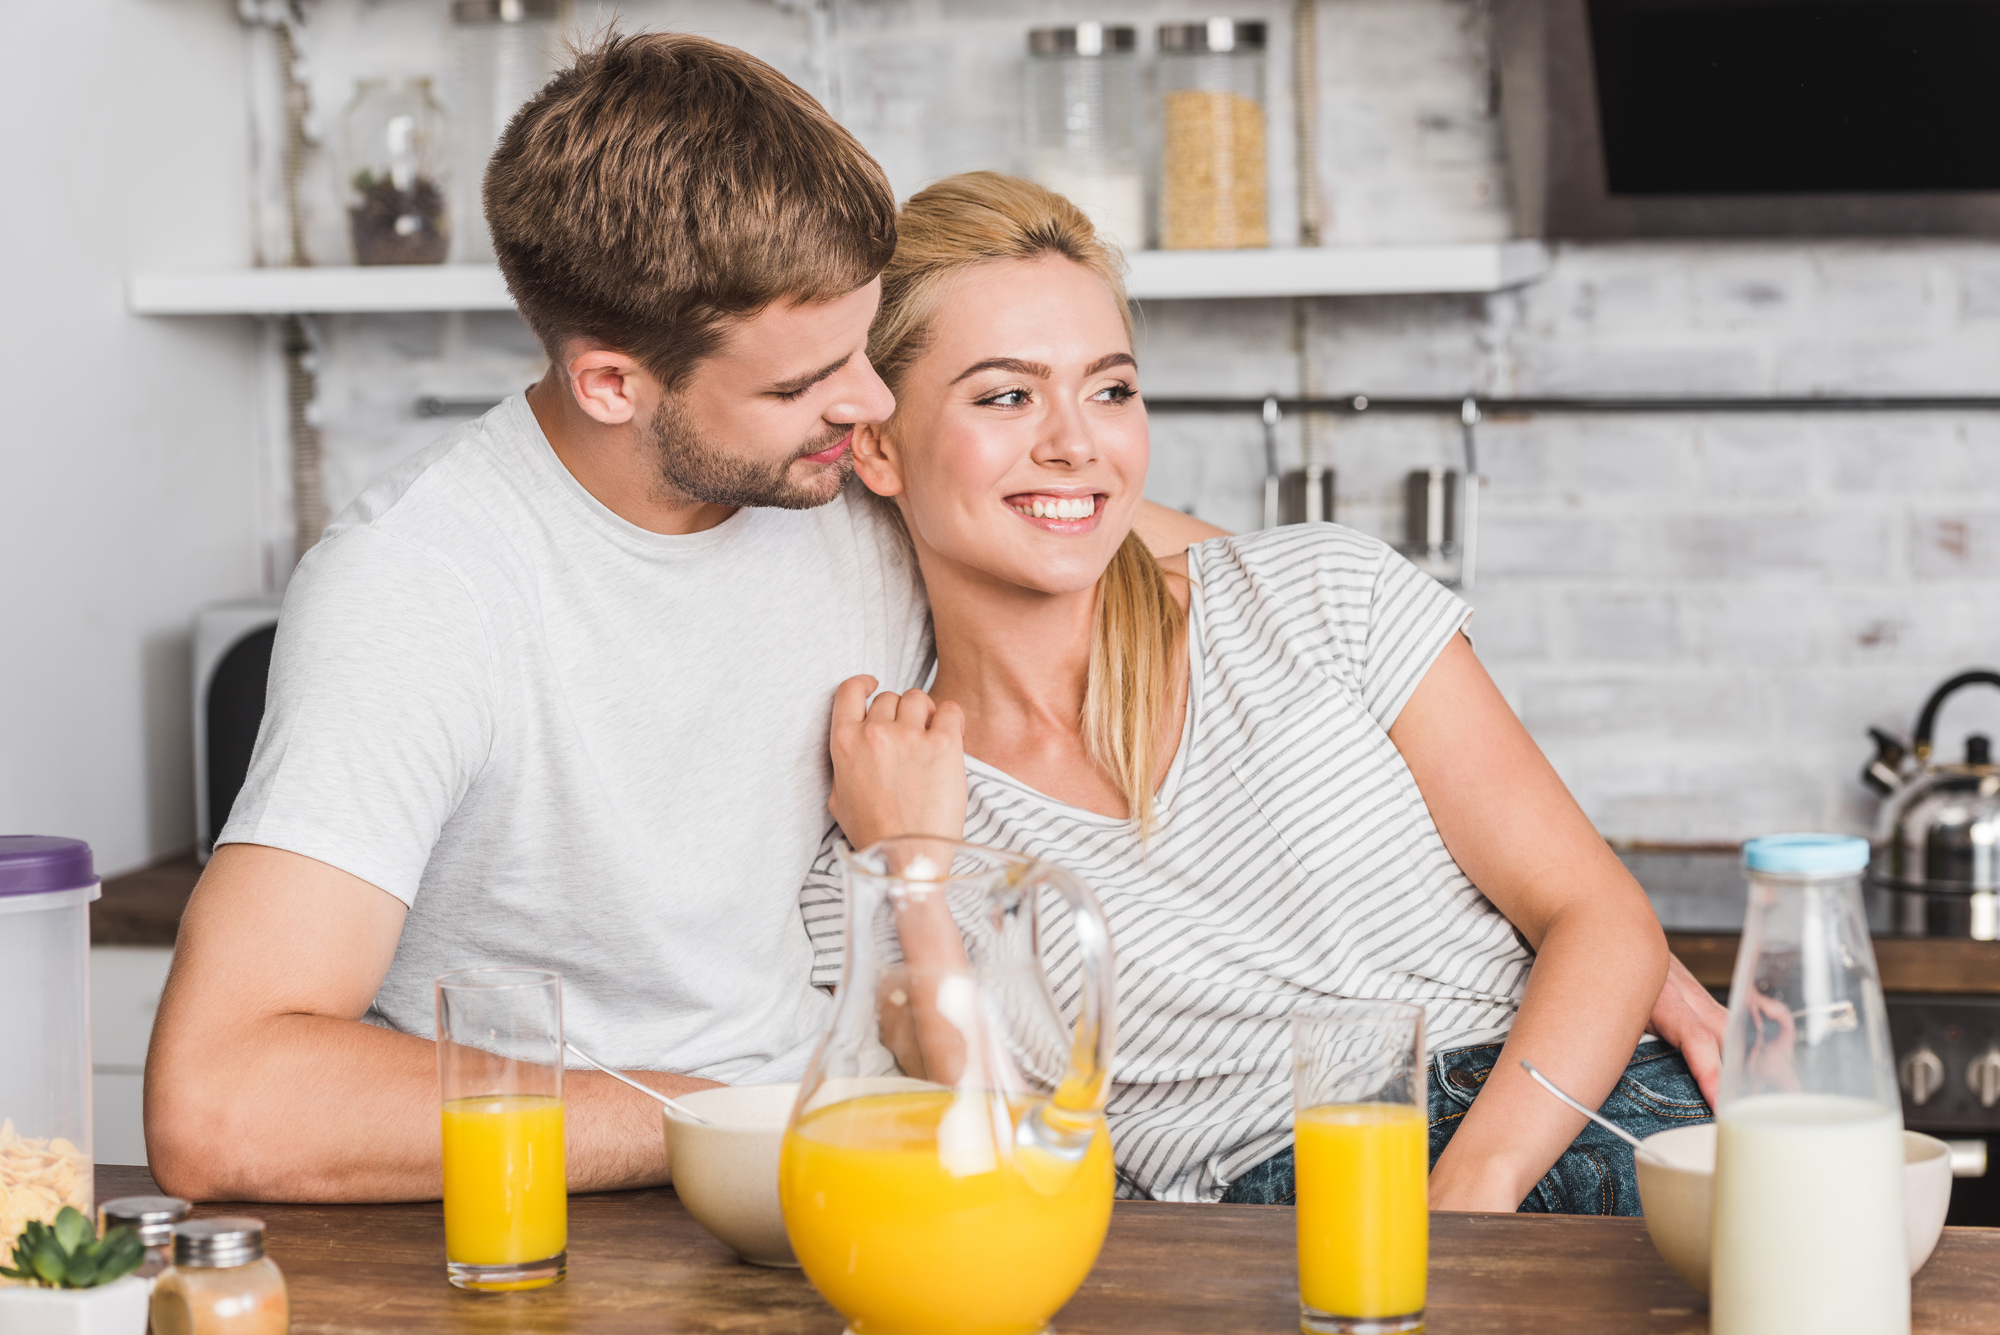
46 886
1212 179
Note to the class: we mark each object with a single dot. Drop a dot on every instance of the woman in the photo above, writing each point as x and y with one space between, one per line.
1274 757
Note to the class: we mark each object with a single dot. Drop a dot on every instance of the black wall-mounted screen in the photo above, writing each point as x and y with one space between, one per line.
1765 97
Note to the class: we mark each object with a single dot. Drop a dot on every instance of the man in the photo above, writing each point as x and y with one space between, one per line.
556 691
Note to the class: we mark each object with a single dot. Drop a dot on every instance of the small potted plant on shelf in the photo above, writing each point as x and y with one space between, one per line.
69 1281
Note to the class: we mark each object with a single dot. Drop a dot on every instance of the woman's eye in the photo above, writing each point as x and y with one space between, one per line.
1006 398
1118 393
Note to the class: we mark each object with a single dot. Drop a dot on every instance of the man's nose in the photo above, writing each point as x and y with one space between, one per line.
862 397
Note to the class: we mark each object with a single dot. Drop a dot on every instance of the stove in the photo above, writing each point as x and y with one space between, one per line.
1940 977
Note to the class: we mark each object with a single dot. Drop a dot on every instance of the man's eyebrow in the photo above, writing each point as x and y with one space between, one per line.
1014 364
1114 359
799 385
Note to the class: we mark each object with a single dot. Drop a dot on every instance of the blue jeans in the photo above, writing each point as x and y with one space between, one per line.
1593 1176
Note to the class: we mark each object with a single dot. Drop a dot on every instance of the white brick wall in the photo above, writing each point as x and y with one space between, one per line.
1696 616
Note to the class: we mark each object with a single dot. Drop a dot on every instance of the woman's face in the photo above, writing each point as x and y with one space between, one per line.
1019 447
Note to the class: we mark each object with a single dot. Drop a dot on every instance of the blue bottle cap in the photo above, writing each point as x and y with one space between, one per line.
1805 854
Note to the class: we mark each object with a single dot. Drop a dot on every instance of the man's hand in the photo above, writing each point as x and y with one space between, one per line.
1692 1020
898 764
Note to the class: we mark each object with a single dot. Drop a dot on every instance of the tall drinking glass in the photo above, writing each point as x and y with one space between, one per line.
1361 1154
506 1198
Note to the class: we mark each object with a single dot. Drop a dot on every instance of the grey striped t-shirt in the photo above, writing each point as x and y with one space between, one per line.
1294 857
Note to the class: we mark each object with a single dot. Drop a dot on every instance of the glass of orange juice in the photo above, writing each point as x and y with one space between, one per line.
500 1068
1361 1156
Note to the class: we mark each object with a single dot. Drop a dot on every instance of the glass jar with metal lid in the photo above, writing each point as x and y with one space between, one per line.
1213 169
1083 113
46 885
153 1219
503 52
220 1283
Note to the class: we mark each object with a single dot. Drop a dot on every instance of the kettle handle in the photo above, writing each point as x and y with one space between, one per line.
1085 1086
1922 741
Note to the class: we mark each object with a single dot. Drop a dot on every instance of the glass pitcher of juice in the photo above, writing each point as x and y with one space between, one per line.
947 1169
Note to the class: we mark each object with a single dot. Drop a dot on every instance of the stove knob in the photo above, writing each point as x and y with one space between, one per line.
1923 1076
1982 1077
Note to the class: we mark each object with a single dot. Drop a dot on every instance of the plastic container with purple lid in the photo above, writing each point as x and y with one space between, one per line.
46 885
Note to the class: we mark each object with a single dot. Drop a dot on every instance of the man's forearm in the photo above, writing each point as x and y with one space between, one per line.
316 1108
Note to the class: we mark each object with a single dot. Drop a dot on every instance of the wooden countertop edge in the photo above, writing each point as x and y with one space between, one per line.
1936 965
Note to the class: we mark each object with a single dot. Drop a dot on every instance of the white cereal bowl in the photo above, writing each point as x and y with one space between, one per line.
1676 1196
727 1174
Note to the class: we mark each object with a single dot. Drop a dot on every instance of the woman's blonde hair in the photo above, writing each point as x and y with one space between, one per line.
976 218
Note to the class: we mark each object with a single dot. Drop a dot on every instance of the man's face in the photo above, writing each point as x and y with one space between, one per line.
766 419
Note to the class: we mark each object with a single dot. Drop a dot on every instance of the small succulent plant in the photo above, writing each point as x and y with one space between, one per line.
70 1255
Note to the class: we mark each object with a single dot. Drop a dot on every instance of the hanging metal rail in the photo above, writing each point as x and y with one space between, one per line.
1356 405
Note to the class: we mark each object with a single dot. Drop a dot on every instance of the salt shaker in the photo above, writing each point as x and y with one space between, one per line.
220 1283
153 1219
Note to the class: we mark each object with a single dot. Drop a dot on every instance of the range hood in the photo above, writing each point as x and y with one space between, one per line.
1629 118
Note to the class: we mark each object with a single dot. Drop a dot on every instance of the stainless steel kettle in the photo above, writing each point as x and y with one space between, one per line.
1938 837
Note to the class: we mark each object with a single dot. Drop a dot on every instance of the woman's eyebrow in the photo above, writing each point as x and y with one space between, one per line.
1019 367
1014 364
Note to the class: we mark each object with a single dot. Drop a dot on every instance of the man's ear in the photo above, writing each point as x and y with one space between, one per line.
608 385
875 461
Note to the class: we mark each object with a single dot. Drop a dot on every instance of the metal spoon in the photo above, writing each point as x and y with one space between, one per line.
655 1094
1638 1145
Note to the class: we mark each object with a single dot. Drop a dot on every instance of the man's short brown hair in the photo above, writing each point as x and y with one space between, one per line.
664 184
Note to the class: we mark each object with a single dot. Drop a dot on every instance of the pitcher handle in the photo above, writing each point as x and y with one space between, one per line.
1079 1100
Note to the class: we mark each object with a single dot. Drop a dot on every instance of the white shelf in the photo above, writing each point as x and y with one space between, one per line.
1331 271
387 287
1337 271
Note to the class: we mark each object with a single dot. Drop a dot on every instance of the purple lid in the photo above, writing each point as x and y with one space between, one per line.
35 864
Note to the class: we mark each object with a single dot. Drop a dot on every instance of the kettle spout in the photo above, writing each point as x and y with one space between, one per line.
1885 772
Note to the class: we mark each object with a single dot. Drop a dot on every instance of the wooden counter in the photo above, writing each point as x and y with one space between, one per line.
143 908
638 1262
1947 965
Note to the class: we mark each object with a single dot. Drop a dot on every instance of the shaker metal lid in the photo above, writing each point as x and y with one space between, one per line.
1082 39
37 864
215 1244
1215 35
151 1217
1806 854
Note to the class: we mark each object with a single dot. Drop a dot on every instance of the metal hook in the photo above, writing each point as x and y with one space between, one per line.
1469 418
1272 415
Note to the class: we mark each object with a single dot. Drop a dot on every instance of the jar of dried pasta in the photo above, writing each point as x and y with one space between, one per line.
46 886
1212 171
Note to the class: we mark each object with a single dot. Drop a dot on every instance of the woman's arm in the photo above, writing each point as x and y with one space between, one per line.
1600 955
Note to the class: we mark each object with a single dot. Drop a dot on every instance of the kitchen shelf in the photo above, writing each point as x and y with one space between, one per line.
1337 271
1330 271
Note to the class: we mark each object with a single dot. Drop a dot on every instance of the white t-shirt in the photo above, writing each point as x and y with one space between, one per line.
567 742
1294 858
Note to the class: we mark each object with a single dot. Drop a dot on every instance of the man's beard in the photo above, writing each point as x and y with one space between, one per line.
696 468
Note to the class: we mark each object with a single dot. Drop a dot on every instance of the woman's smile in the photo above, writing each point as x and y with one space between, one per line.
1062 511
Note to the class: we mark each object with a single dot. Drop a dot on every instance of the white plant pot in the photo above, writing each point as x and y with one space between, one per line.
117 1308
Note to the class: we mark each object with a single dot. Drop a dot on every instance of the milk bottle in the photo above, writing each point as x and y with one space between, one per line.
1808 1228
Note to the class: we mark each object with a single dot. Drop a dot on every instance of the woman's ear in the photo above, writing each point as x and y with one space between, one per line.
875 461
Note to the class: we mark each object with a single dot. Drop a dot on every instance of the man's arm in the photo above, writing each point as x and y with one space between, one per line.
262 1082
